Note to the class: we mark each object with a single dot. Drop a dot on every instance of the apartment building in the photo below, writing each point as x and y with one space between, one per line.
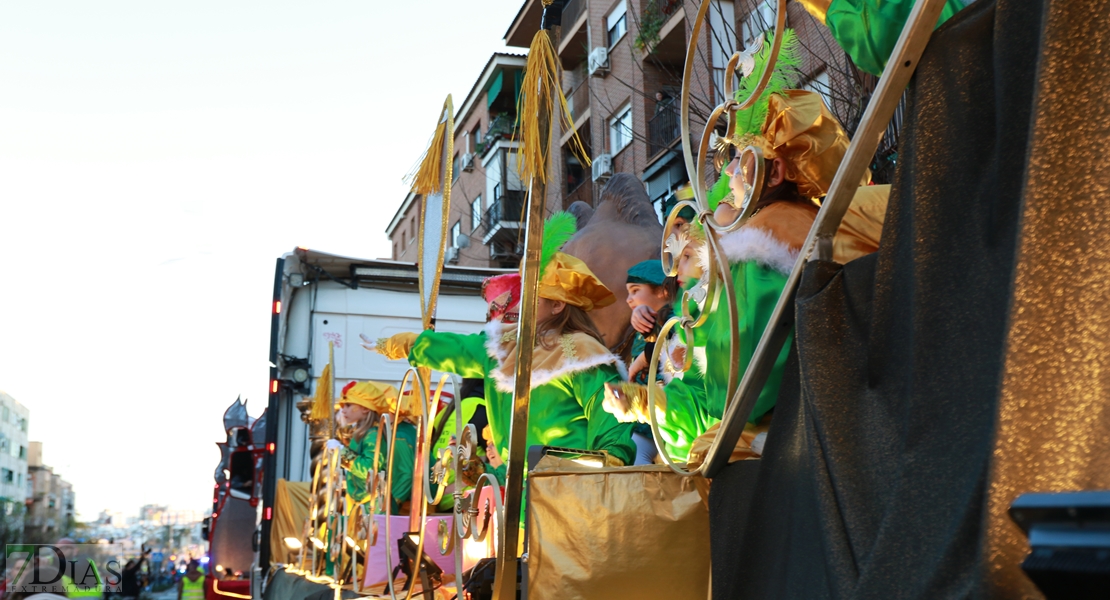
50 506
486 194
13 449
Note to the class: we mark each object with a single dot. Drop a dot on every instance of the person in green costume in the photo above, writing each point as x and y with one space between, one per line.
761 254
361 405
868 29
570 365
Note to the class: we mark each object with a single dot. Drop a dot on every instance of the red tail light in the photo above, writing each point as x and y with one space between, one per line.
271 447
274 386
266 514
277 307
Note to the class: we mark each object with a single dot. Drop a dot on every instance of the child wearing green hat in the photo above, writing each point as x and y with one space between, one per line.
650 296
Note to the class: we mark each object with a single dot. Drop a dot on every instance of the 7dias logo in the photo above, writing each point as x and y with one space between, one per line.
65 569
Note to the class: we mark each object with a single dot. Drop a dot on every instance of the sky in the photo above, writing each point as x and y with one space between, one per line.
155 159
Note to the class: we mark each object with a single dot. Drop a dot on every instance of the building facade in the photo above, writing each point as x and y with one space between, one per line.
50 506
486 194
13 449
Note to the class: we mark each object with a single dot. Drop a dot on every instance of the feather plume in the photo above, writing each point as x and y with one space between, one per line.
538 91
324 398
432 171
750 120
557 230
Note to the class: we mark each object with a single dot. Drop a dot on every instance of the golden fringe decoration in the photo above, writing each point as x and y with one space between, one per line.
428 178
541 81
324 398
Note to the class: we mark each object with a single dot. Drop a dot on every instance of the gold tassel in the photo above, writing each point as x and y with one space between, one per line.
427 179
324 398
541 81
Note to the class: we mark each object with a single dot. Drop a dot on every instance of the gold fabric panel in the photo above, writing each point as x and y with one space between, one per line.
862 227
1053 422
291 501
630 532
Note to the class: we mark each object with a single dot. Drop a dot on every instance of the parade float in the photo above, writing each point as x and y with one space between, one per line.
896 446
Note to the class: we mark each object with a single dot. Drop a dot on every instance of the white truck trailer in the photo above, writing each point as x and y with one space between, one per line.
320 298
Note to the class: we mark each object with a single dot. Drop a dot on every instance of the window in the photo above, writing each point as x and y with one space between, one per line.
820 84
456 232
760 19
476 138
456 167
23 424
620 130
7 475
18 480
617 23
7 414
476 214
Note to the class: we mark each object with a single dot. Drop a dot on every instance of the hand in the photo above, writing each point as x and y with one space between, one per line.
618 404
638 365
643 319
369 344
333 445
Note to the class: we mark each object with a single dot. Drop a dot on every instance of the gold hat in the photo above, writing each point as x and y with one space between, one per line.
378 397
802 131
568 279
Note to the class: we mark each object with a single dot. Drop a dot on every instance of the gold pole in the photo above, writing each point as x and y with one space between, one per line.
331 382
505 587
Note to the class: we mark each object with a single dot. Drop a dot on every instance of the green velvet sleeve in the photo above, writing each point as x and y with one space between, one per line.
464 355
760 287
403 458
868 29
603 431
360 465
686 417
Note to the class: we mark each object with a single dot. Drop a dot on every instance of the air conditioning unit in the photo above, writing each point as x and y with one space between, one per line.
599 61
468 162
603 167
451 255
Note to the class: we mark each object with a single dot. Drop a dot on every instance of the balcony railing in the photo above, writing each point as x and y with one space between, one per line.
572 10
663 129
578 100
507 207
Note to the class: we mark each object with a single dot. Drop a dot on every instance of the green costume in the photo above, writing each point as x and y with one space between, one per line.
358 460
567 386
759 267
868 29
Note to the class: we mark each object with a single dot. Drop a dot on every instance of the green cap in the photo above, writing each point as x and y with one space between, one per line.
648 271
669 204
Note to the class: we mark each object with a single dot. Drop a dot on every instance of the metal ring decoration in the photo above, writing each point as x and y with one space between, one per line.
431 409
717 278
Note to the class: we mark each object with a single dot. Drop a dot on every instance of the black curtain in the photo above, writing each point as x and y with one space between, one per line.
875 470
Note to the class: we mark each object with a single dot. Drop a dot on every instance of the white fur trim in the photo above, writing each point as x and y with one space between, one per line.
758 245
498 352
700 359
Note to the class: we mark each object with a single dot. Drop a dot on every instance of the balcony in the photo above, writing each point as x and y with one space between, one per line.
503 217
664 129
574 43
578 101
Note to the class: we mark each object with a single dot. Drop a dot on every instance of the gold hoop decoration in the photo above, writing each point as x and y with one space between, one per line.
694 169
433 181
411 377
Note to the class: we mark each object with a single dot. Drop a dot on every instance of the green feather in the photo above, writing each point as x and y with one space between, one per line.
751 119
557 230
718 191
